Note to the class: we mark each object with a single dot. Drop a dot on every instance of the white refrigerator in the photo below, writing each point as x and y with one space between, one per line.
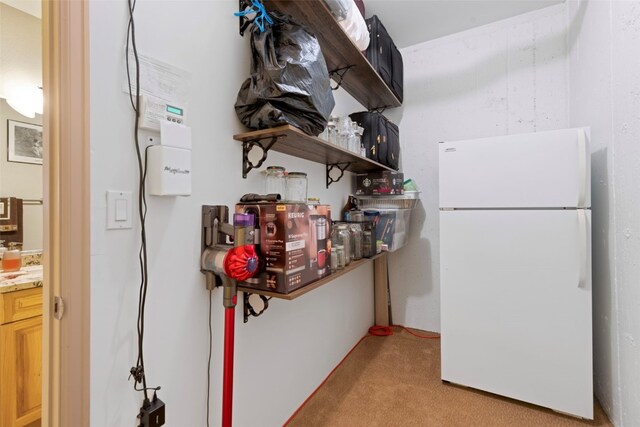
515 267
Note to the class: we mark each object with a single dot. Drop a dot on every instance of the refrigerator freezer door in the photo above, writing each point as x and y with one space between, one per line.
516 305
537 170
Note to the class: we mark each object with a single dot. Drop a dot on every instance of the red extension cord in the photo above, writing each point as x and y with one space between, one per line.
384 331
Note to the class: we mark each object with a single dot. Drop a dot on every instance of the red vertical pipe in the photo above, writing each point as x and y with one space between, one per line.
227 375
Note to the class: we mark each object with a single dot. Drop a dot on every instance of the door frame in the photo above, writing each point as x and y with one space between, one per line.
66 259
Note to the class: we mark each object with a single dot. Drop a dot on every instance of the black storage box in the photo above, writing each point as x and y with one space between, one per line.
385 57
381 138
380 183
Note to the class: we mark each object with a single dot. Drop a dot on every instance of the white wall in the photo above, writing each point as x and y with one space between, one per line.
605 93
503 78
282 356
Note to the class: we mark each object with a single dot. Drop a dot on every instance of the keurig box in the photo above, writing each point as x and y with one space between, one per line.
294 244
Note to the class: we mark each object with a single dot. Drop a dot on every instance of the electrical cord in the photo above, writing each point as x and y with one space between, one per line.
383 331
138 372
209 362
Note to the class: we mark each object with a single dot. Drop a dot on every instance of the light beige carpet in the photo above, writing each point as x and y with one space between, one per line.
395 381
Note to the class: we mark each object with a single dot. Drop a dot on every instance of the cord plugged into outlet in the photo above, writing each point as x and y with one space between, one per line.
152 413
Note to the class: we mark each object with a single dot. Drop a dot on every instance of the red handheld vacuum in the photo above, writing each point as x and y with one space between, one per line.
225 264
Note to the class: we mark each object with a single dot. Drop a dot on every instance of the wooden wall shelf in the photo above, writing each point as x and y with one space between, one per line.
310 287
292 141
361 80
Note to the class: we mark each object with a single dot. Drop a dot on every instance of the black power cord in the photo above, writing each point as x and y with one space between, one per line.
138 372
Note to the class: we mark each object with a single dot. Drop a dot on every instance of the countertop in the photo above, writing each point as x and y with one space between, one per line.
28 277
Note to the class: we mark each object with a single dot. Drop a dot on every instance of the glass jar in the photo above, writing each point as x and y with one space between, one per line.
354 139
275 181
332 130
344 239
368 239
345 130
12 258
334 259
340 237
354 216
340 259
359 133
356 240
296 187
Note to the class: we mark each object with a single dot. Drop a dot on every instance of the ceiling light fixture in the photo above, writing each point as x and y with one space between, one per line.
25 99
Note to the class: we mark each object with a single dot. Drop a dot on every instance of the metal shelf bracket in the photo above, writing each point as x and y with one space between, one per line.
247 146
248 309
341 167
243 20
339 74
378 110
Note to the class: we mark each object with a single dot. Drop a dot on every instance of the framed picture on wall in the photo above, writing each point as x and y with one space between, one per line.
24 142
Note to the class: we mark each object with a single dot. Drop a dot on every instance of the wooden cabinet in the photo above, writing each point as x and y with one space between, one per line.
21 358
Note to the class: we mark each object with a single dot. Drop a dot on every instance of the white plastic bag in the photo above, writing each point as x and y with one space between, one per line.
356 28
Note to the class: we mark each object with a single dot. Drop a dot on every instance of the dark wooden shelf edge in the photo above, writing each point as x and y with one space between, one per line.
314 285
358 163
252 135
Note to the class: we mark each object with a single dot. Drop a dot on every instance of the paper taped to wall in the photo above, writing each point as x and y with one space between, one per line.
157 79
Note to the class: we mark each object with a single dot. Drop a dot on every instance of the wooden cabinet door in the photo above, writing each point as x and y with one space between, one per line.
21 373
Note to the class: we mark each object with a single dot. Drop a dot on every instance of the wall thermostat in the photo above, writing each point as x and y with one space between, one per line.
154 110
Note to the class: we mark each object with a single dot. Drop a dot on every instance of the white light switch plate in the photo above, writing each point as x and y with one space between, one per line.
119 210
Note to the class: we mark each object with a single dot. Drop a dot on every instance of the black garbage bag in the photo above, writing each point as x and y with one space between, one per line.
289 80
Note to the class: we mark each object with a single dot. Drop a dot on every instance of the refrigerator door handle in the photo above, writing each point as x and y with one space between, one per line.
582 168
583 235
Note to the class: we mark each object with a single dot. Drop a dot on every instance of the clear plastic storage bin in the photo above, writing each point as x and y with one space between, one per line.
394 220
393 227
406 201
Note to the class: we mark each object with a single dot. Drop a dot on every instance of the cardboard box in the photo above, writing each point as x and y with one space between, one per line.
294 244
380 183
